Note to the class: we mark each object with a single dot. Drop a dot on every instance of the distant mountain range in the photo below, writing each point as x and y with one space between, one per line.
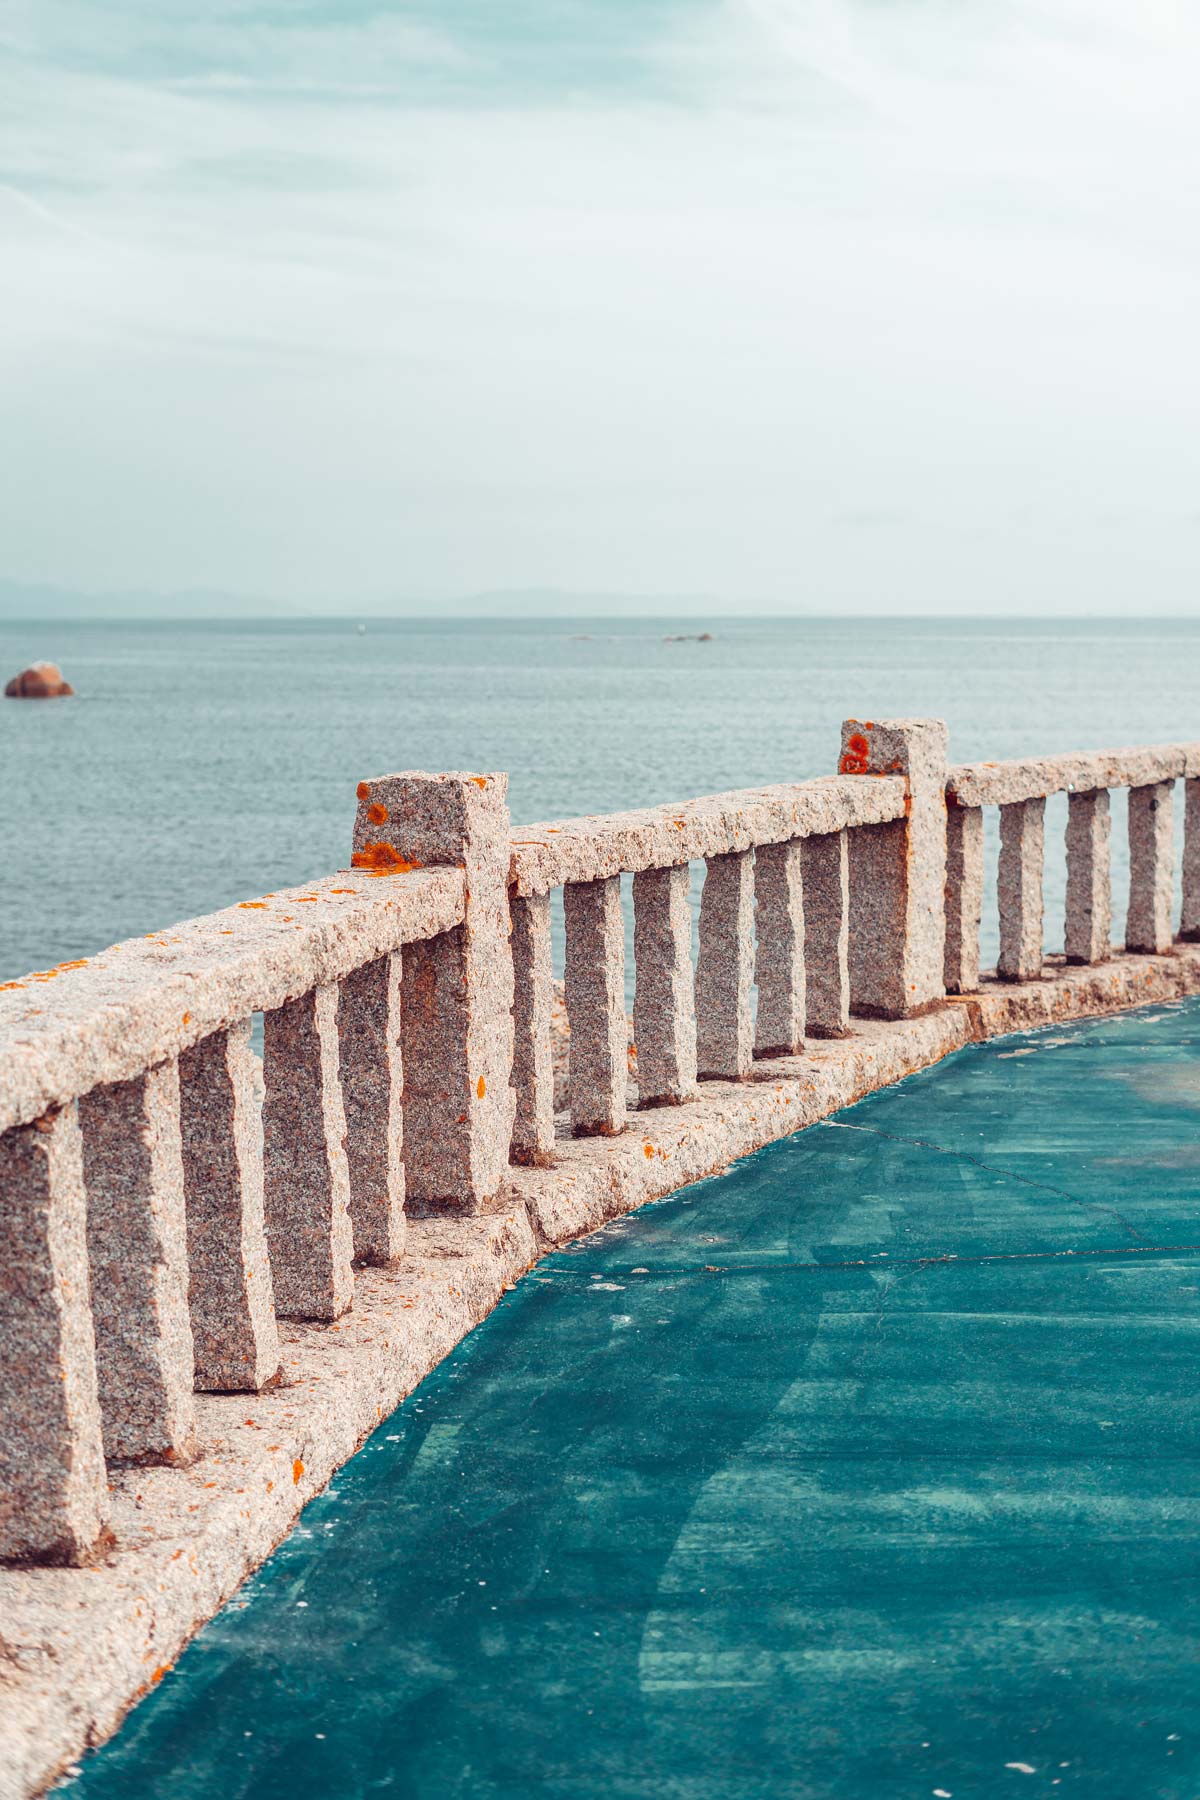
34 601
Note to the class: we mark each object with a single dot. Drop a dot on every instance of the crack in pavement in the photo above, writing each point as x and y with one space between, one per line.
978 1162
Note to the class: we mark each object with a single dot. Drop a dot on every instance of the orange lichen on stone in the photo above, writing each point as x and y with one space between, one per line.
858 744
852 765
297 1472
252 905
383 859
363 790
648 1149
6 987
480 1088
343 890
479 780
378 813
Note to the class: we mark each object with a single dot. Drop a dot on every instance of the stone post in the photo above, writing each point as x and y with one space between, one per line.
533 1054
725 968
1189 924
595 995
826 876
664 1017
372 1070
230 1297
53 1488
779 953
1151 871
306 1180
1019 889
137 1254
898 872
964 896
1089 886
457 993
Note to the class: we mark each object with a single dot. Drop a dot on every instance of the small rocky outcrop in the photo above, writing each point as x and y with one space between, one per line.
40 681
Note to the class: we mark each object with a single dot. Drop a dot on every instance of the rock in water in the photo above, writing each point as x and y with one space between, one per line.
40 681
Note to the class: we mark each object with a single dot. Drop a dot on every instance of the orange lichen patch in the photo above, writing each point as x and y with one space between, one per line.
307 899
383 859
297 1472
480 1087
852 765
363 790
7 986
79 963
343 890
163 1669
479 780
252 905
648 1149
187 1018
378 813
858 744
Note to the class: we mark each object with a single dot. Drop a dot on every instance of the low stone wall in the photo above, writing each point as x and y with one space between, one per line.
79 1646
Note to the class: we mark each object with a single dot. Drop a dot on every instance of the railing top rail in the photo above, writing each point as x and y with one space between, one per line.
1033 778
110 1017
656 837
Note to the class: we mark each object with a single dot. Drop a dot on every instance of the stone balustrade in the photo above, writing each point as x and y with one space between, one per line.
1020 790
166 1195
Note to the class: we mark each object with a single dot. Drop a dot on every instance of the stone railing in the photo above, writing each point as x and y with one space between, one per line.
165 1195
1020 790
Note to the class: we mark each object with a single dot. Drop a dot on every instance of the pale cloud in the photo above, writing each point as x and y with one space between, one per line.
826 303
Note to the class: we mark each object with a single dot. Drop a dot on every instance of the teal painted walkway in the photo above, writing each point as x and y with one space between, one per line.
868 1470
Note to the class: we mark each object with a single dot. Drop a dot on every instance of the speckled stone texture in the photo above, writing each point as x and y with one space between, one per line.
458 987
826 877
53 1492
533 1006
779 949
65 1030
137 1255
306 1180
1019 889
1034 778
659 837
1151 870
725 969
1089 878
1189 923
81 1647
595 991
898 871
230 1296
964 897
664 1015
372 1071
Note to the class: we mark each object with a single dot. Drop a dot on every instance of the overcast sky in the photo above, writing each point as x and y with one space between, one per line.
825 304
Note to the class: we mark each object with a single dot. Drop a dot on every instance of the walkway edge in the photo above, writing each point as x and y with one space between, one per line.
78 1647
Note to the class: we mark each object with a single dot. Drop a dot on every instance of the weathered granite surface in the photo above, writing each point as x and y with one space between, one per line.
664 1006
1019 877
725 968
137 1262
53 1496
1034 778
533 1010
372 1071
457 985
779 948
230 1293
1089 877
964 897
594 985
898 871
1151 868
587 849
146 1000
81 1646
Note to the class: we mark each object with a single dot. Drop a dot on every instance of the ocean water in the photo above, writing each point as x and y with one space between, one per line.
204 763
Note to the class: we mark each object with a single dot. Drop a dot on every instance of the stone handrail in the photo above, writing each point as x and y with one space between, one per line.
1020 789
786 869
165 1195
592 848
110 1017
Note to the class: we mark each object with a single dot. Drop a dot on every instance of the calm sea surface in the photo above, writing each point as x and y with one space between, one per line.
204 763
